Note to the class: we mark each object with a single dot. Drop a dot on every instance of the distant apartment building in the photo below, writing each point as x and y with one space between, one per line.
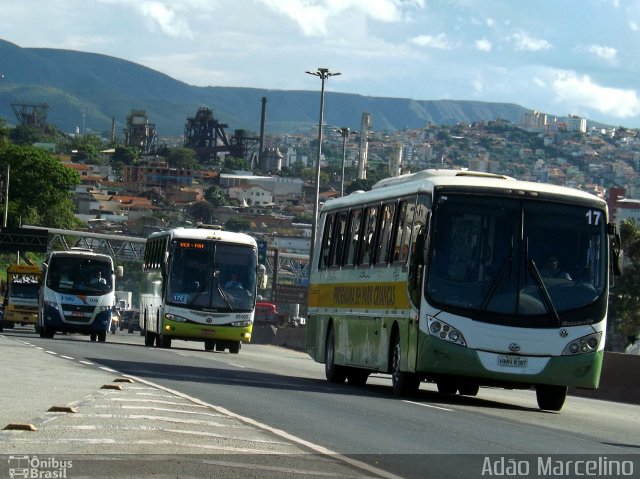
157 175
576 123
534 121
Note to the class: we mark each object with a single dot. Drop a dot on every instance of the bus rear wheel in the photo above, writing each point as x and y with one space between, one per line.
149 338
551 398
102 336
403 383
334 373
92 337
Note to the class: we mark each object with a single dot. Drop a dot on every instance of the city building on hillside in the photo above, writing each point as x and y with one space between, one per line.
278 186
250 195
160 175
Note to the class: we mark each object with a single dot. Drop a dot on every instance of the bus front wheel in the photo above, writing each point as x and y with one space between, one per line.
234 347
149 338
209 345
551 398
334 373
404 383
102 336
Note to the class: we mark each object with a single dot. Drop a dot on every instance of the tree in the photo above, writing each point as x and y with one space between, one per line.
625 295
235 164
358 184
238 224
182 158
39 187
202 212
24 135
216 197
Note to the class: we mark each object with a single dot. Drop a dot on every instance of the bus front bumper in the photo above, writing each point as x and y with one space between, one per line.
441 358
202 332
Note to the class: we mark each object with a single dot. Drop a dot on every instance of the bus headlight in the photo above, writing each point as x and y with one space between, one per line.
442 330
240 324
585 344
51 304
173 317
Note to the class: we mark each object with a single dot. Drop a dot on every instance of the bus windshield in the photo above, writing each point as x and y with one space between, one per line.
518 262
75 275
208 275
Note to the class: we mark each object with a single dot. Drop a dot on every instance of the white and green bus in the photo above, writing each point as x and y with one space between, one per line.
200 285
441 276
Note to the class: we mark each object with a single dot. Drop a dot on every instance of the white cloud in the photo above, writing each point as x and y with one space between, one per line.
605 53
633 25
166 19
439 41
483 45
525 42
313 16
582 91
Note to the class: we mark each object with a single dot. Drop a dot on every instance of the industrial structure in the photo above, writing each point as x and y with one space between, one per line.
206 136
139 133
34 116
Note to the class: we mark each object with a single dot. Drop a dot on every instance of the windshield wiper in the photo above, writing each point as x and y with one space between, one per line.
496 281
545 292
223 295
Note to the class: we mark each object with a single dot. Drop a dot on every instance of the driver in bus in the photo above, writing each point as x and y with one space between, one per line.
552 269
233 283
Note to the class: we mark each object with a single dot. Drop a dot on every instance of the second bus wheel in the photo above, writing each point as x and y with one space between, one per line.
333 372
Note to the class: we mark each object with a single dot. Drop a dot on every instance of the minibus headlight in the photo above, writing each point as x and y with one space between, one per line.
240 324
173 317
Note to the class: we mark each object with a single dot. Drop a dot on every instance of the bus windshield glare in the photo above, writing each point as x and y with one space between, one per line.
518 262
79 276
207 275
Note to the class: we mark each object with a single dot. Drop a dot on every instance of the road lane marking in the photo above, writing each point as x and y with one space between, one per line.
68 357
88 363
278 432
429 405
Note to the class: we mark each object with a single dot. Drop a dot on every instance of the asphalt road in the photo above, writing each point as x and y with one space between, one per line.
284 393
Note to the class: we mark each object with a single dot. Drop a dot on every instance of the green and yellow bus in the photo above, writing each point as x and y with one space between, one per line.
441 276
200 285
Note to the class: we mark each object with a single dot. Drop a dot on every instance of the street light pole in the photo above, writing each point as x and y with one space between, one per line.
323 74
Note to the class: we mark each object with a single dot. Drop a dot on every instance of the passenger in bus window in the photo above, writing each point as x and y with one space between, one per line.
552 269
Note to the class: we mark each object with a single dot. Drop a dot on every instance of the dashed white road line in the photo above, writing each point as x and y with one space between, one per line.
430 406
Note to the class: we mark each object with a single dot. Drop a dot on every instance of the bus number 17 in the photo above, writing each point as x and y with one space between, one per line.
593 217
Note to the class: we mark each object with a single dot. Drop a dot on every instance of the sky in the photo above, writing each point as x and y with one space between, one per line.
560 57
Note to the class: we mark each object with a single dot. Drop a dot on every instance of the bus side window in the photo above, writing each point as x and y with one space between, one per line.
353 237
399 252
340 231
386 230
325 250
368 240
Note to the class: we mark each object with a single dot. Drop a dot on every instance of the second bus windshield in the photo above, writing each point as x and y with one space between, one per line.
208 275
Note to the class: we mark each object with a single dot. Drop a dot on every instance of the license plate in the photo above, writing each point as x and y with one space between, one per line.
208 331
77 314
512 361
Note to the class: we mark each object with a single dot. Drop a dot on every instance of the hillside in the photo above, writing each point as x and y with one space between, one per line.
100 87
